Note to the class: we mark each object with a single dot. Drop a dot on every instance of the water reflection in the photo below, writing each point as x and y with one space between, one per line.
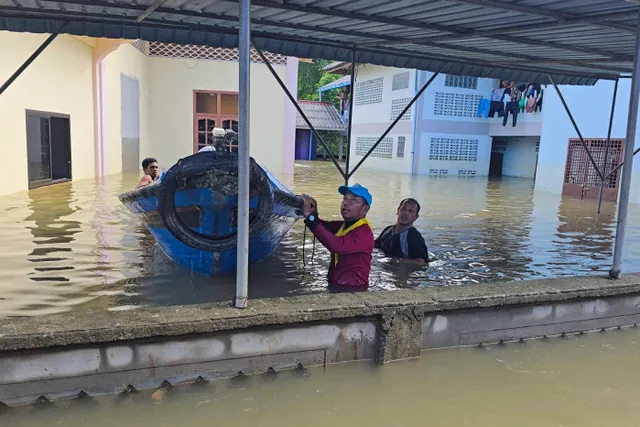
53 234
74 246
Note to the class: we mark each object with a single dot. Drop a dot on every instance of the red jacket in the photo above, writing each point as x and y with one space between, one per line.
353 252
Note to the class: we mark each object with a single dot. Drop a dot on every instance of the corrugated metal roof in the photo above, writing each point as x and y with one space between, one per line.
578 41
322 115
342 81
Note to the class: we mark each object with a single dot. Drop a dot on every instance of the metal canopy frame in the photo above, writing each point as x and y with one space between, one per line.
575 42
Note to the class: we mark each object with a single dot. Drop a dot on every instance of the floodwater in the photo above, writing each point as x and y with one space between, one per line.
579 381
74 246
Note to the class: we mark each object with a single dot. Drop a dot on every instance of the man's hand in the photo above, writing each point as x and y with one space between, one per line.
310 206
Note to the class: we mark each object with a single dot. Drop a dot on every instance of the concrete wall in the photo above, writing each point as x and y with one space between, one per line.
371 120
51 357
58 81
590 107
130 62
448 127
171 108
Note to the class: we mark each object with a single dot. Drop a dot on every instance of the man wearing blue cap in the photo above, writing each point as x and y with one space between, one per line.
350 241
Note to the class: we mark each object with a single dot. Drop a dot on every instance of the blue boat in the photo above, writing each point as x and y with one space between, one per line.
192 212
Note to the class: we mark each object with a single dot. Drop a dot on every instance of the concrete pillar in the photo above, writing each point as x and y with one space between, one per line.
400 335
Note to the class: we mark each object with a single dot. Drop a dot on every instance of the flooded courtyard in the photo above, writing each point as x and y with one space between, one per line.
578 381
74 246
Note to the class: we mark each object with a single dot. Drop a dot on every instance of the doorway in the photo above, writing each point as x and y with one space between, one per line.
130 123
48 148
496 164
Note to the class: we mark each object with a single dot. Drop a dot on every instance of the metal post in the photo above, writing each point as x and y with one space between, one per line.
244 46
625 180
295 104
33 57
606 149
340 147
352 86
575 126
415 98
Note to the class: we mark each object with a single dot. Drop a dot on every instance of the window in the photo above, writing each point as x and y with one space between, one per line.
400 81
453 149
397 105
455 104
400 153
48 148
213 110
464 82
369 91
384 150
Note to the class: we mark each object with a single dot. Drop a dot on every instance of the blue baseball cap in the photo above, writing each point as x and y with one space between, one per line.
357 190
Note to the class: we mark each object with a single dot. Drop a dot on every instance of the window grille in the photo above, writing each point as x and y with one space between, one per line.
369 91
465 82
189 51
401 142
384 150
400 81
453 149
452 104
397 105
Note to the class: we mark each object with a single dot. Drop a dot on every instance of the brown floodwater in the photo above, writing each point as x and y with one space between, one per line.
578 381
74 246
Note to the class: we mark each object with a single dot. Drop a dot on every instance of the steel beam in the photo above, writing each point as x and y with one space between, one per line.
244 160
33 57
575 126
608 144
30 13
352 91
625 180
156 4
413 100
302 114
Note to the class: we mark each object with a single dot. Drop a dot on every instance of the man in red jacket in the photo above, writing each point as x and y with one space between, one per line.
350 241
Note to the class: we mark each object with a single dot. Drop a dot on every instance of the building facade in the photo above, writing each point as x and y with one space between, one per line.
446 134
87 107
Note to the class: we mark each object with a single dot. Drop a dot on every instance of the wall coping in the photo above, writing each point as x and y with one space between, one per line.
94 327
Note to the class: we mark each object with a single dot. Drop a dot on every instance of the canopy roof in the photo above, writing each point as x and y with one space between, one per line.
578 41
322 115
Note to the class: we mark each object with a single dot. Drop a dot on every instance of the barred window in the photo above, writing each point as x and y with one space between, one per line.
464 82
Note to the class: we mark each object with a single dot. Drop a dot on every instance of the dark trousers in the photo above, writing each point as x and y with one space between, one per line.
496 107
512 107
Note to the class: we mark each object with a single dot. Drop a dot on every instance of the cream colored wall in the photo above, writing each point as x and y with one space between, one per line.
58 81
129 61
171 107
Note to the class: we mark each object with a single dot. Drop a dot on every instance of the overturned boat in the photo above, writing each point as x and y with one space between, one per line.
192 212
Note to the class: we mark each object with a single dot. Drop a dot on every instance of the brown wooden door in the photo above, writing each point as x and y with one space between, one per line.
580 177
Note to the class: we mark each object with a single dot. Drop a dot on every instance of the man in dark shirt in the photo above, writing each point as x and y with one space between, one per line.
350 241
403 240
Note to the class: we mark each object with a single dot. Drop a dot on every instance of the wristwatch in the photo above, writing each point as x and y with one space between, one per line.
311 218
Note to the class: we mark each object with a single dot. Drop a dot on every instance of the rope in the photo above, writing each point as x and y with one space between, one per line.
313 247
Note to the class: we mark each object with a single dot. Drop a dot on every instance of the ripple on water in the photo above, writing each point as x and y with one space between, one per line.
74 246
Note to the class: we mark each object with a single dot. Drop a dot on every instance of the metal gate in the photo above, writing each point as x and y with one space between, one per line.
580 177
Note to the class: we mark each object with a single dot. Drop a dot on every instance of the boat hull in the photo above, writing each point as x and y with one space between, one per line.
208 212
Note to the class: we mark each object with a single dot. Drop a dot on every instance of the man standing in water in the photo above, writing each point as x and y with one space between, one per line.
403 240
150 168
350 241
